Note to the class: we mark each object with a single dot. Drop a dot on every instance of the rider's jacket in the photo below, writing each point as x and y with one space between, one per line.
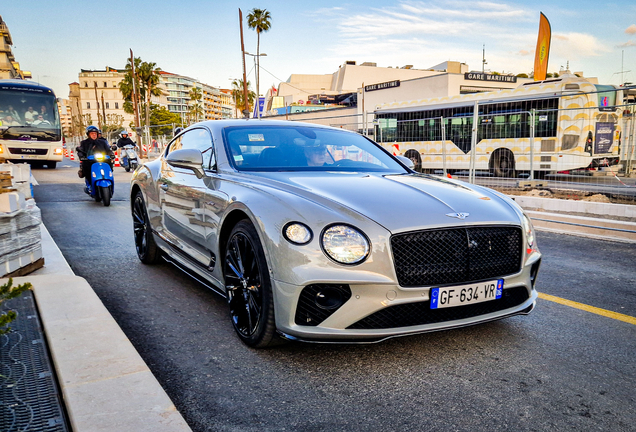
124 142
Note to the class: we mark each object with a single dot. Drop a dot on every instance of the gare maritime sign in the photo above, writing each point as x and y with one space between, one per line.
382 86
476 76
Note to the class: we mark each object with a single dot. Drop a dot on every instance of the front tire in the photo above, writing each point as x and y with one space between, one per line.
105 193
248 287
147 250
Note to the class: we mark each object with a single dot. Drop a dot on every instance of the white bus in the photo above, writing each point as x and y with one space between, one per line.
572 123
30 128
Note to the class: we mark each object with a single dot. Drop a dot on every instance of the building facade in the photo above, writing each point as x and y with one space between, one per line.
100 102
178 90
9 68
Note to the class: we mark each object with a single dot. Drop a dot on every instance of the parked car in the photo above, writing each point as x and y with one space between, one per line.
315 233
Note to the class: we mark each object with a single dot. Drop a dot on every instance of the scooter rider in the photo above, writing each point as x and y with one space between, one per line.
91 145
121 143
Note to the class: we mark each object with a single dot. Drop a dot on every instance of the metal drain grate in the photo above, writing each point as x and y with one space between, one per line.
29 396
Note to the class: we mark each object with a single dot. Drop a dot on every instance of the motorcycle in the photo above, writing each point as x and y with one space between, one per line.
101 185
130 161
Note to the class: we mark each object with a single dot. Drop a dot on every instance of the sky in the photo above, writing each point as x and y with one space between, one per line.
201 39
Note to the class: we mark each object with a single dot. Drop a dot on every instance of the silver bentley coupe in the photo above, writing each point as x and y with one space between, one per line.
318 234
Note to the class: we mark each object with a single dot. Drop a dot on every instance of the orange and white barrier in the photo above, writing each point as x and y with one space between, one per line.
396 149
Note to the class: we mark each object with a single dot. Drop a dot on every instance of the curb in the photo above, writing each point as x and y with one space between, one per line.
105 383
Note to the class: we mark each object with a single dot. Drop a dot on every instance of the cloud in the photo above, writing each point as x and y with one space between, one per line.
627 44
631 29
524 52
577 46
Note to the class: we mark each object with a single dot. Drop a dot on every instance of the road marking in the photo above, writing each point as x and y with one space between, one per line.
609 314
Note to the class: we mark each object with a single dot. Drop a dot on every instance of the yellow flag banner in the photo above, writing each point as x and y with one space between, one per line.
543 49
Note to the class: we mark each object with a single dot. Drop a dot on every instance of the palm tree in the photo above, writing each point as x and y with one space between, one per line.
126 85
237 94
148 74
259 20
195 110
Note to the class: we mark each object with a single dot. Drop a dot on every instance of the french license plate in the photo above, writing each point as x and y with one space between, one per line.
466 294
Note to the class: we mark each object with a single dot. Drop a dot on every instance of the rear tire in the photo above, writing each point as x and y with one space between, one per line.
147 250
503 164
105 193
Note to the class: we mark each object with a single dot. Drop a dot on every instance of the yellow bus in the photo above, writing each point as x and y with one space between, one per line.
571 123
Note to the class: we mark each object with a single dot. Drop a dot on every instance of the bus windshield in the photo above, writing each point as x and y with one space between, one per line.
28 114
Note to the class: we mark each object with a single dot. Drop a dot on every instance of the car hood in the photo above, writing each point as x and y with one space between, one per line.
403 202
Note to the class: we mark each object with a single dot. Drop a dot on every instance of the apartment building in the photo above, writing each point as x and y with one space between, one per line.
9 68
100 101
178 89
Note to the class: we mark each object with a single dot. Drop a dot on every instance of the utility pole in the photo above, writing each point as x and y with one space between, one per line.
483 59
104 111
99 119
246 111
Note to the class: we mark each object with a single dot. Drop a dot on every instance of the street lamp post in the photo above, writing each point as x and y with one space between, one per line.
258 74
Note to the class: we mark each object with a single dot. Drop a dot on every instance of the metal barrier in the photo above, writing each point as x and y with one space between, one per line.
565 148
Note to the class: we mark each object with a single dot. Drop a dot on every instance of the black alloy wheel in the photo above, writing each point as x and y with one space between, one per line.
147 249
248 287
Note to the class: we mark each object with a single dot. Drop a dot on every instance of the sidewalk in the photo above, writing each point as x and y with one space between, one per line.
105 384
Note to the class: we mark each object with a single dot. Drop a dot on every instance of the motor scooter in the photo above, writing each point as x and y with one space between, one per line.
101 185
130 161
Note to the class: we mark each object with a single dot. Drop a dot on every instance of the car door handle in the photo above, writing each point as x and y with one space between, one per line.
164 186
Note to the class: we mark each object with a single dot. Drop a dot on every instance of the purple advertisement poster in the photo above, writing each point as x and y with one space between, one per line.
604 137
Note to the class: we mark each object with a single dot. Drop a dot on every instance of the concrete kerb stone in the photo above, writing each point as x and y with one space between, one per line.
105 383
547 215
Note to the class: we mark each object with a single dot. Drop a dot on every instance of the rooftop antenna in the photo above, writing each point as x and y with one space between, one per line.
483 59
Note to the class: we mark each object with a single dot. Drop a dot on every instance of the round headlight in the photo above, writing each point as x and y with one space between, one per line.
345 244
297 233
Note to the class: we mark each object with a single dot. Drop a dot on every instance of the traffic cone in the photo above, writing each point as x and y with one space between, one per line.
66 153
117 164
448 175
72 155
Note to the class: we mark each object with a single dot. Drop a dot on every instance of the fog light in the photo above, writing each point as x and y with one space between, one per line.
329 298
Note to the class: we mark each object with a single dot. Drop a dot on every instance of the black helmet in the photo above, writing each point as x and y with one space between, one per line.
91 128
177 131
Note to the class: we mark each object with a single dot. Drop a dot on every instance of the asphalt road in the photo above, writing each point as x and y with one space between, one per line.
558 369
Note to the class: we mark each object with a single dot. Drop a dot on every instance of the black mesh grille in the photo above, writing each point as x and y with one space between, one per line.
458 255
420 313
308 313
31 151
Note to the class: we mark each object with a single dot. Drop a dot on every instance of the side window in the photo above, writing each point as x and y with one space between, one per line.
174 145
201 140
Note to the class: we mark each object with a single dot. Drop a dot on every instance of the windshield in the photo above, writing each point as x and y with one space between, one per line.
302 148
28 114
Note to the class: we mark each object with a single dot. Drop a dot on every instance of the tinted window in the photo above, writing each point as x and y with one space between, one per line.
301 148
198 139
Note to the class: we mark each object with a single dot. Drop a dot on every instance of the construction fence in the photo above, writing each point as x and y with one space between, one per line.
527 148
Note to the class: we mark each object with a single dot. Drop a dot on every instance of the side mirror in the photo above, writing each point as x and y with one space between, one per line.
406 161
191 159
